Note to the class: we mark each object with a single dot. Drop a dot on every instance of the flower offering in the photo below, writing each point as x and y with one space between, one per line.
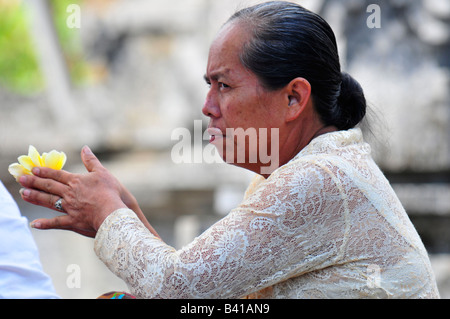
53 159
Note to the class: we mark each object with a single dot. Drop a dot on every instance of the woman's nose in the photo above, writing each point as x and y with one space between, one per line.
211 106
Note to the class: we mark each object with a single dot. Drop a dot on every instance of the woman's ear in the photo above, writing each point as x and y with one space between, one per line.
292 100
299 94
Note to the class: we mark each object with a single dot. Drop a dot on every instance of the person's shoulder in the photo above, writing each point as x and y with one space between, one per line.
304 171
7 203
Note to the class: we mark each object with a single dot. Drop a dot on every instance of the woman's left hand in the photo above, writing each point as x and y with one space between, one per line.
87 199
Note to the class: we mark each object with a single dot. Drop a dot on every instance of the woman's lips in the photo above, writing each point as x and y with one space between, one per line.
214 134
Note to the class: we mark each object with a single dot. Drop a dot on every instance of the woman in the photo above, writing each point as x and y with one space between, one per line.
324 223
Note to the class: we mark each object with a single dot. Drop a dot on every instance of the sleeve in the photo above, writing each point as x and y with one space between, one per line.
21 273
293 223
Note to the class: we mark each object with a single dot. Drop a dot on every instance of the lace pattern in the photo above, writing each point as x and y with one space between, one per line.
325 225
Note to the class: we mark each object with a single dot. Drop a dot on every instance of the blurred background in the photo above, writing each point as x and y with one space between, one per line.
121 75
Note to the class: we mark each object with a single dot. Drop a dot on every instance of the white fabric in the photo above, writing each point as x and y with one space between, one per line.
21 274
325 225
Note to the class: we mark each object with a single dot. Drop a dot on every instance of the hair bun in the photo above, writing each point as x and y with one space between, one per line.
351 103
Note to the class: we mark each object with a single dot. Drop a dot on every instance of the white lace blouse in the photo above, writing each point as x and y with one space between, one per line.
325 225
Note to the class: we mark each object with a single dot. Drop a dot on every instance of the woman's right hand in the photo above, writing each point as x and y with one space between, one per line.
87 199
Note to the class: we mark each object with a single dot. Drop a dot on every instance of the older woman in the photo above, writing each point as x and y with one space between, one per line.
324 223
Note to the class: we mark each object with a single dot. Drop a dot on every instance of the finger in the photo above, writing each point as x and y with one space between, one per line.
43 184
39 198
60 222
57 175
90 161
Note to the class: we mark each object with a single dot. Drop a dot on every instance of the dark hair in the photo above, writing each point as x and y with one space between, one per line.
289 41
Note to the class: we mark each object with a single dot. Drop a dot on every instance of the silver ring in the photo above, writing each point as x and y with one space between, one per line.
58 205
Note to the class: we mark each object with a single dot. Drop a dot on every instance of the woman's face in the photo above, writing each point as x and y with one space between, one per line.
236 100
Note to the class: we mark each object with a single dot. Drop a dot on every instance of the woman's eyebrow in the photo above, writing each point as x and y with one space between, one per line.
216 75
